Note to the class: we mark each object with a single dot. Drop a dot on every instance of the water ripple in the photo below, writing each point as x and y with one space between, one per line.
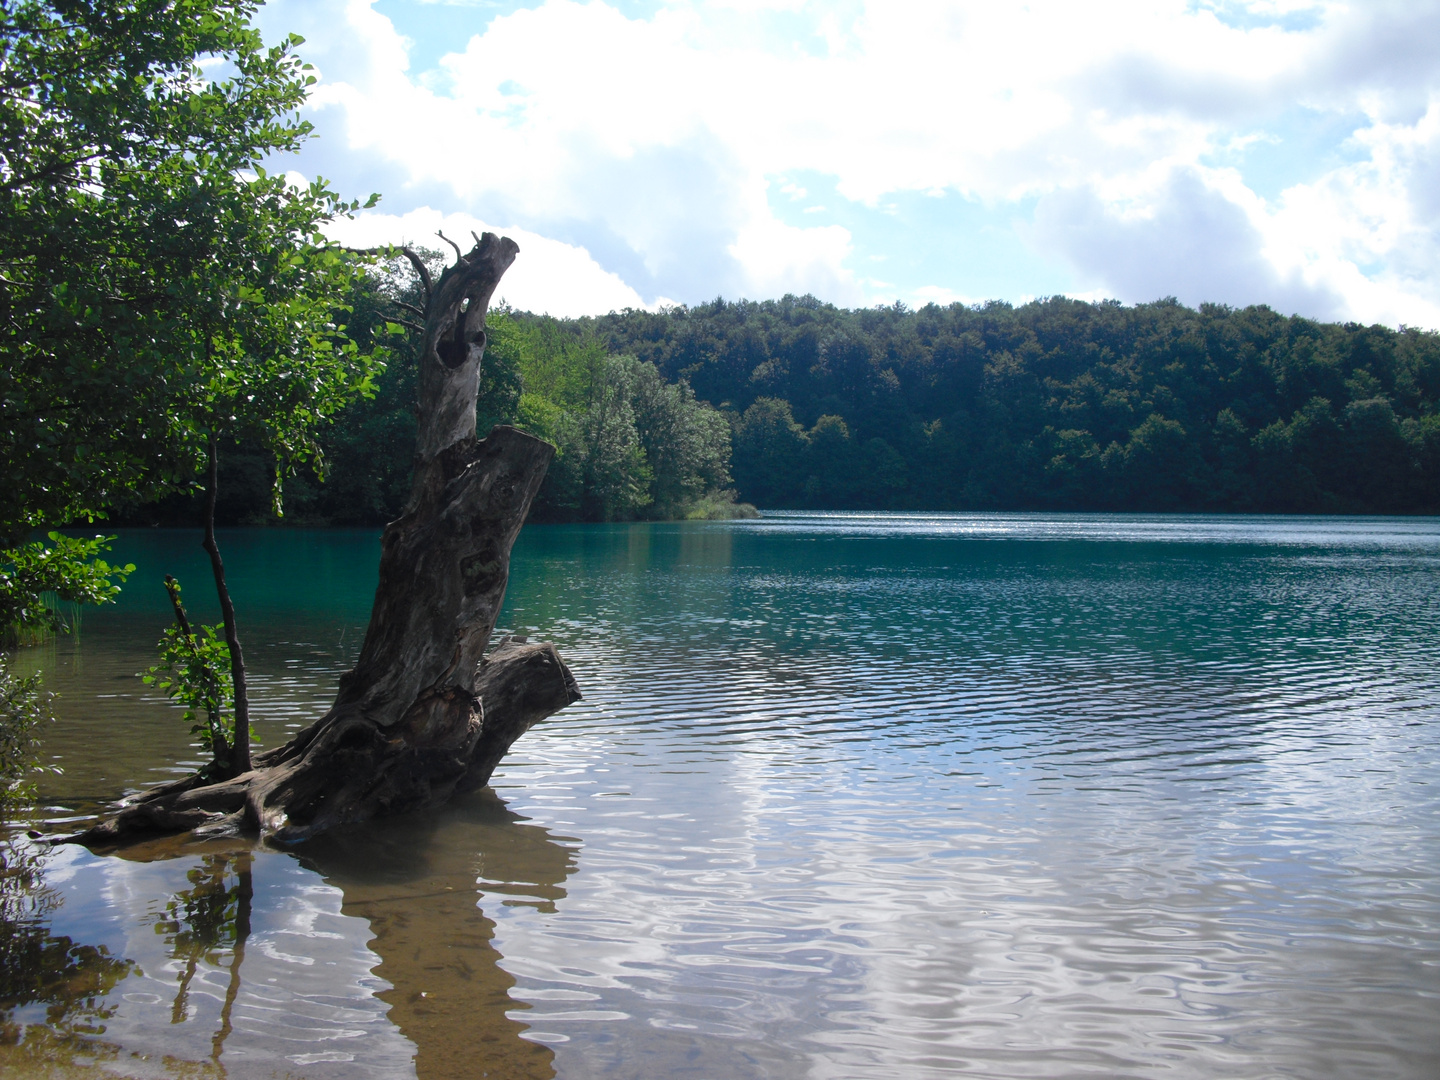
879 796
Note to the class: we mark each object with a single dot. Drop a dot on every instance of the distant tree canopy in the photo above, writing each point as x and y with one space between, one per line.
630 443
1057 404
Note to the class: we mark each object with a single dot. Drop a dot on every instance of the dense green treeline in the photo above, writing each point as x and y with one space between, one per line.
630 444
1056 404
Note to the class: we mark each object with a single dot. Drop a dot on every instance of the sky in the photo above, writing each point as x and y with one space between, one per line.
653 152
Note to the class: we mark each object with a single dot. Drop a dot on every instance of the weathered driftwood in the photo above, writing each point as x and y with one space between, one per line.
425 712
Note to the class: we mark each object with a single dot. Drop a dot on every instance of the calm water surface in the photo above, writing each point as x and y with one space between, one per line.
848 796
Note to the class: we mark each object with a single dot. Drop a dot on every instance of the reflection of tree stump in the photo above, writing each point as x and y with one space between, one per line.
449 995
424 712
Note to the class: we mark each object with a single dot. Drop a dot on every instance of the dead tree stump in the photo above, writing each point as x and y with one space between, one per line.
425 712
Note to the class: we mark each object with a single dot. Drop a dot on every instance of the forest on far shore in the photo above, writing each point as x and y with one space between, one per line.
1057 404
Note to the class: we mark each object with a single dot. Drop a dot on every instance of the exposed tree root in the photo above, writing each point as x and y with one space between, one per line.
345 768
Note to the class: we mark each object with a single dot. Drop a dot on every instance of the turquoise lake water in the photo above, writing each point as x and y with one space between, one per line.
849 795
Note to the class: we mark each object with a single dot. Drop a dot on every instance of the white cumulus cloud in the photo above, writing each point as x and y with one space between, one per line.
659 146
552 278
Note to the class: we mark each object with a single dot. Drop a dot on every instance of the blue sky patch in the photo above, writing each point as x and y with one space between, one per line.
438 27
911 240
1298 147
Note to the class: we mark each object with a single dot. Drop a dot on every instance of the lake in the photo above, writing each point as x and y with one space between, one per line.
849 796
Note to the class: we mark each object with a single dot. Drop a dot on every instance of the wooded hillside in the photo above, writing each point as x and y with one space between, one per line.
1057 404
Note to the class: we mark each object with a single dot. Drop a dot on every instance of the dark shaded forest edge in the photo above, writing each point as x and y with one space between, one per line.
1057 404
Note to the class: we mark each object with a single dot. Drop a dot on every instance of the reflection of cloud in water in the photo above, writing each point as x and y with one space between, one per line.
895 797
53 989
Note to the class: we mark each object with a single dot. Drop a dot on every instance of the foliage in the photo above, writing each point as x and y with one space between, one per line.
603 449
146 258
770 449
194 672
720 505
365 447
161 294
273 366
1056 404
67 568
686 443
629 443
370 443
32 578
24 706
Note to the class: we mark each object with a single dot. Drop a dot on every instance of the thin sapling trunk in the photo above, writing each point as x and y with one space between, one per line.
240 750
214 722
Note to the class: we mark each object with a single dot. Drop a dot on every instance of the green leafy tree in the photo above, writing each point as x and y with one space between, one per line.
161 293
62 568
266 360
686 443
1058 403
36 579
553 361
193 671
604 448
629 443
117 154
830 463
770 448
1157 465
883 474
24 707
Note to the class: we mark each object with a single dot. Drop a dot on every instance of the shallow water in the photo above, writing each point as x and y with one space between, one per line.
849 795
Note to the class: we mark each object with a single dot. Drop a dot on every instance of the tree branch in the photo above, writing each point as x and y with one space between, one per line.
423 271
458 253
420 268
58 168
